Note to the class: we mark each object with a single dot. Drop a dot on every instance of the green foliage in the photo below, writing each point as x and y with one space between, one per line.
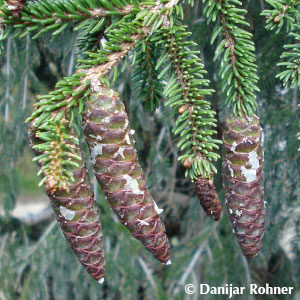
42 16
57 153
238 69
283 15
122 36
286 15
291 62
185 92
145 76
35 262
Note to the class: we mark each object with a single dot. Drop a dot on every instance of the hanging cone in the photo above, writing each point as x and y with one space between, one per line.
206 193
243 181
78 216
114 159
15 6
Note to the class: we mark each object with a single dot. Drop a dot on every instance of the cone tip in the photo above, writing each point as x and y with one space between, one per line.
101 280
167 263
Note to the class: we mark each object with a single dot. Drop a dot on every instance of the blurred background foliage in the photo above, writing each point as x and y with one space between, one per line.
35 261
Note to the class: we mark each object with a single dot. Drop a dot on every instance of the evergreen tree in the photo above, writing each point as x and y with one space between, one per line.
188 72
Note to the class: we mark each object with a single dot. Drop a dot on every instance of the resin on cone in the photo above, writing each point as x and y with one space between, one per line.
115 163
243 181
15 6
78 216
209 200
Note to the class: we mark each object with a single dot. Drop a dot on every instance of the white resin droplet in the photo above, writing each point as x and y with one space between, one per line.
106 119
241 231
120 152
12 7
68 214
96 150
142 222
253 160
168 262
103 42
238 212
101 280
132 184
234 144
97 137
231 171
250 174
158 210
126 124
127 139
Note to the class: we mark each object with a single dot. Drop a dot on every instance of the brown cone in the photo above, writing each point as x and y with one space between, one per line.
15 6
78 215
243 181
115 163
206 193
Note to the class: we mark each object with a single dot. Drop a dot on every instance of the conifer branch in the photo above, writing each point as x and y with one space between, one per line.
291 75
145 75
57 154
283 12
286 12
55 15
15 6
90 75
186 92
121 40
238 64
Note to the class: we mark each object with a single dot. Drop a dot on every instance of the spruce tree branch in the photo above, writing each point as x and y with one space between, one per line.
93 74
57 151
113 58
34 18
54 110
238 65
145 75
66 16
291 62
188 106
195 115
230 43
283 12
15 6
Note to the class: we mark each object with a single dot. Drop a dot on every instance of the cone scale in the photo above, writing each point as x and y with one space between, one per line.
78 216
115 163
243 181
15 6
208 197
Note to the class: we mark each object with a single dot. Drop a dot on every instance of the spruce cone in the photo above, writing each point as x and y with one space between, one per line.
206 193
243 181
78 216
15 6
116 167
